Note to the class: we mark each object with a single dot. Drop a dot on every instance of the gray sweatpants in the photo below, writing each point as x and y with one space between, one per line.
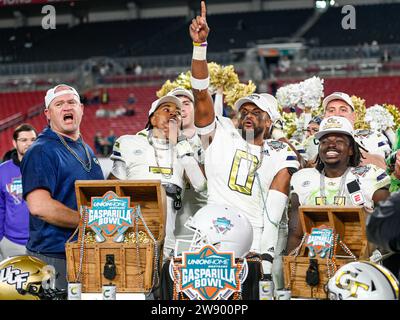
10 249
59 264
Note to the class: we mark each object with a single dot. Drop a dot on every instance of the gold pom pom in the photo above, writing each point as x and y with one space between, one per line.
289 123
223 77
183 81
360 111
167 87
394 111
238 91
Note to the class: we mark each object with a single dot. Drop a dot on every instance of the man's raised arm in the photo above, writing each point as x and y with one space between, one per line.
204 109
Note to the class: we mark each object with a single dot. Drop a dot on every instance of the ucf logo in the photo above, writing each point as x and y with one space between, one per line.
347 280
14 276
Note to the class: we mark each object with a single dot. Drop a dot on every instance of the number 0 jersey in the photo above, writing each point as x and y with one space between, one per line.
229 163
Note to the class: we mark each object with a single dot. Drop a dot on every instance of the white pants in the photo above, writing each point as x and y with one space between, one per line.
277 265
9 249
256 245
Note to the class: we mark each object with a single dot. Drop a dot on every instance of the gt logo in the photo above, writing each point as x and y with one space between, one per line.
345 281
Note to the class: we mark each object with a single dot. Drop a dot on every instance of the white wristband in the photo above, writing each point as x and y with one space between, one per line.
199 53
207 129
199 84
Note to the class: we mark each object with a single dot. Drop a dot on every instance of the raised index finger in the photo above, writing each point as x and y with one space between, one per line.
203 10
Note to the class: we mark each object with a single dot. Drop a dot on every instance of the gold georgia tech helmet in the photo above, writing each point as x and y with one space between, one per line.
25 278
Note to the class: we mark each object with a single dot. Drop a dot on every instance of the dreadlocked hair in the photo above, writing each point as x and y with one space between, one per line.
354 160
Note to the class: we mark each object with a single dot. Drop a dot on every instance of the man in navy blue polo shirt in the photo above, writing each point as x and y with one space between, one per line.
49 170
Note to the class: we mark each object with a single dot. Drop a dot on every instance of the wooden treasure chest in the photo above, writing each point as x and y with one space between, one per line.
333 236
120 236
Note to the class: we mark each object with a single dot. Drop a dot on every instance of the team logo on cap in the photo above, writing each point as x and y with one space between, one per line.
253 97
306 184
332 123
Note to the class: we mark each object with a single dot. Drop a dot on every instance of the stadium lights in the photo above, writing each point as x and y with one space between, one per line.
323 4
320 4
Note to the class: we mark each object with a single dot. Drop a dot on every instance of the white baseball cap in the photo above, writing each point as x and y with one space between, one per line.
338 96
181 92
159 102
334 125
273 105
265 104
51 94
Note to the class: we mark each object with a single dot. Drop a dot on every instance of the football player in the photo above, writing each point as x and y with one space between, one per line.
160 154
338 178
242 169
375 145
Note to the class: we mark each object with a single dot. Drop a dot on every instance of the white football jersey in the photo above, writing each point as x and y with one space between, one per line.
151 161
144 161
374 141
229 163
306 183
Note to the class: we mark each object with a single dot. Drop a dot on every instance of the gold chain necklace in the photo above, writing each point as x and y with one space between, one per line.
86 166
